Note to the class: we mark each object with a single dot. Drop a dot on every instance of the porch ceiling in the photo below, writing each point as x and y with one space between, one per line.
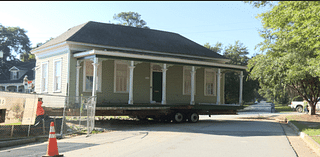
155 58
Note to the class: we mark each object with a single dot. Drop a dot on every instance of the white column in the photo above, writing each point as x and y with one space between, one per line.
17 88
95 72
193 72
218 86
77 83
131 67
94 87
241 86
164 84
5 88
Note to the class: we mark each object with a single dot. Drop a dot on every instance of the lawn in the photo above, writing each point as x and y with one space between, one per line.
307 124
283 108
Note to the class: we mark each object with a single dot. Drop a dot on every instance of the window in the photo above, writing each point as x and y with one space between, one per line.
44 77
14 75
57 75
187 81
88 76
121 77
209 82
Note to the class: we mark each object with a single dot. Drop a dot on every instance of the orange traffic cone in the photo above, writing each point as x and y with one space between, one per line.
52 145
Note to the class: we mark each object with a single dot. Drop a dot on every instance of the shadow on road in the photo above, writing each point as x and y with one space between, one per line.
237 128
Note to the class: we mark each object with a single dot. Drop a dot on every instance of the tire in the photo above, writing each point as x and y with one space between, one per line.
193 118
178 117
299 109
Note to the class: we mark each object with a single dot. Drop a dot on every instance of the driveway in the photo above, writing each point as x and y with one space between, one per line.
208 137
260 108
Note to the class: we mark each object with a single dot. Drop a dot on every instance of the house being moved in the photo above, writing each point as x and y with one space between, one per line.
127 65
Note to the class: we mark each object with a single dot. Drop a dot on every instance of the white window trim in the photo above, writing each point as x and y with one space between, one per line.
195 82
54 74
47 76
16 74
99 73
115 76
214 82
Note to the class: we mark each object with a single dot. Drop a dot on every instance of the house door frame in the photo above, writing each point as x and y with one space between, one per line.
154 68
157 86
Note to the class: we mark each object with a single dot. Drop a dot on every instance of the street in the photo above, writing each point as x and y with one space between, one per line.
205 138
211 136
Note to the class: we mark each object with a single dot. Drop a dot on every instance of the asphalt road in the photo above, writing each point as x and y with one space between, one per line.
209 137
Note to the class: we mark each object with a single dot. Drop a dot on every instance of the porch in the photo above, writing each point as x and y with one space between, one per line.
126 78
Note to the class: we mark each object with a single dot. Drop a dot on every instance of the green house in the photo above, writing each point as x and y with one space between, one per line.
127 65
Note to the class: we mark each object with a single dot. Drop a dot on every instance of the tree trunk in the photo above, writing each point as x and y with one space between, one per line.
312 110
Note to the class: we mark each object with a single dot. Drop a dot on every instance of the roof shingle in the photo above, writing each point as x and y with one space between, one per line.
134 38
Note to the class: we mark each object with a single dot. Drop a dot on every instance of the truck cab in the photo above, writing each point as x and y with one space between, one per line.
297 104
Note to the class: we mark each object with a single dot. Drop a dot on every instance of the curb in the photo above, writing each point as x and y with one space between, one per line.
306 138
21 141
16 142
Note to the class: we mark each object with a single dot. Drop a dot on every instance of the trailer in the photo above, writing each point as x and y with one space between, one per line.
177 112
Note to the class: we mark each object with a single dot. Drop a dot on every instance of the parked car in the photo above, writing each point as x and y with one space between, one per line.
297 104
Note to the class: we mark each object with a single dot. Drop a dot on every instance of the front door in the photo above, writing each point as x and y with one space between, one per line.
157 86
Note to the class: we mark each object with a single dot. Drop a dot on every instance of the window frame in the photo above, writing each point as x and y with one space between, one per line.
15 73
46 83
183 81
214 82
99 73
115 76
54 75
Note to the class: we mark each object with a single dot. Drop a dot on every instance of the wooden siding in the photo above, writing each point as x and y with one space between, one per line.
141 85
55 99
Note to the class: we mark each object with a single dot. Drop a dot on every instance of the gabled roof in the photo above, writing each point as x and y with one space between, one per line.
14 68
131 37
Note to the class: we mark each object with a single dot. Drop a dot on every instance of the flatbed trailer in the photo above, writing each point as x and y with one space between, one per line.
177 112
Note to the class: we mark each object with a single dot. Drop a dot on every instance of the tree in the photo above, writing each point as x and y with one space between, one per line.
27 57
216 48
13 39
259 4
237 53
290 50
132 19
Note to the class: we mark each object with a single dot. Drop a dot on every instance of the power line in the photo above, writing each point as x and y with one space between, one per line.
218 24
221 30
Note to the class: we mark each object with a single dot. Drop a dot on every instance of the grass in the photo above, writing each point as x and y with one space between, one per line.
18 123
283 108
313 132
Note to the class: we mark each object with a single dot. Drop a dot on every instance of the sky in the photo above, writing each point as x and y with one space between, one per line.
202 22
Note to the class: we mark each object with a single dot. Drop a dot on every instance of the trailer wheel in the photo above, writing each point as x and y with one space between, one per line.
178 117
193 118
